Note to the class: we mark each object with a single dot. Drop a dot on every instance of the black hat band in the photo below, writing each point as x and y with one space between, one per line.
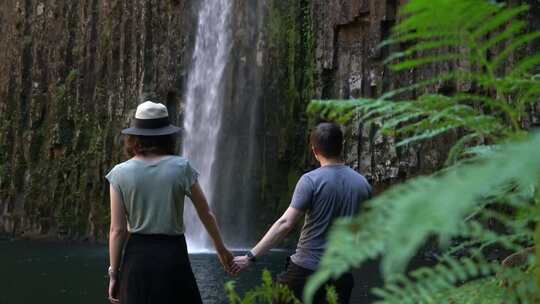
151 123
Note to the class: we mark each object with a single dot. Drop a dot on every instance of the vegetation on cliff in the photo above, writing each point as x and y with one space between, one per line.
290 88
487 197
71 74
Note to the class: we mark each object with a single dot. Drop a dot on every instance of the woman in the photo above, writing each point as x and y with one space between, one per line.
147 200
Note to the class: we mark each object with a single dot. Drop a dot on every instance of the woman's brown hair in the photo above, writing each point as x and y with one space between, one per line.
144 145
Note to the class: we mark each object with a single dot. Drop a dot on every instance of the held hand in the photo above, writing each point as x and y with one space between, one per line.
226 259
242 262
112 290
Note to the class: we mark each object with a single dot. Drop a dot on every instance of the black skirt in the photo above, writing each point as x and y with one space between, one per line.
156 269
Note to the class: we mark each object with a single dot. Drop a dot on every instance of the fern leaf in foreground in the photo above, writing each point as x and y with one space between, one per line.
451 281
400 220
427 284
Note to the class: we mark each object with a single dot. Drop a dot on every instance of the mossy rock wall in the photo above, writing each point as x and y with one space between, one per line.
71 73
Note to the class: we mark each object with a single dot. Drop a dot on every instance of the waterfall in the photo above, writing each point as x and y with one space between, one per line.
204 106
223 117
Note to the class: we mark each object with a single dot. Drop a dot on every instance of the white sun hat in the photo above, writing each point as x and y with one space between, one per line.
151 119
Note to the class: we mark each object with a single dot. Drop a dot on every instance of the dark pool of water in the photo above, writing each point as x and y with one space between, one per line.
66 272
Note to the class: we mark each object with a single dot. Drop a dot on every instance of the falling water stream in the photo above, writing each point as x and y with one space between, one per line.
204 106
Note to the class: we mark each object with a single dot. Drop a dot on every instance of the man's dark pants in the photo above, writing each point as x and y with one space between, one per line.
295 277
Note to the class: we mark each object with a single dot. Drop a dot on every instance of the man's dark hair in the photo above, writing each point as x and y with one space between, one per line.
144 145
327 138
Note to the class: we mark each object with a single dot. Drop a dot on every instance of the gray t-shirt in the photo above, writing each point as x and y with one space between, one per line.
325 194
153 193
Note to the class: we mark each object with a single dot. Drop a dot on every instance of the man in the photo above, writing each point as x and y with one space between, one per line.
334 190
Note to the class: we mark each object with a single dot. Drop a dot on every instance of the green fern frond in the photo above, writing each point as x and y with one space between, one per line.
490 164
498 19
414 63
483 150
331 295
455 280
513 29
481 238
459 148
426 135
435 204
440 24
516 43
436 29
443 26
524 66
425 285
424 118
268 292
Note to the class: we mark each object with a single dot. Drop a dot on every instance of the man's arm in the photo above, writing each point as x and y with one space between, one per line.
279 230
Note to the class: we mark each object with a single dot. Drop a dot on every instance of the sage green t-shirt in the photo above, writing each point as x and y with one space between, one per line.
153 193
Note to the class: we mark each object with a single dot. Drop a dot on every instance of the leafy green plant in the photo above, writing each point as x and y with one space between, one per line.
268 292
455 33
272 293
492 168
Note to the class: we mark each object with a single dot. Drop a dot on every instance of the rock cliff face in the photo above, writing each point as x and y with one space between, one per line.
71 73
349 65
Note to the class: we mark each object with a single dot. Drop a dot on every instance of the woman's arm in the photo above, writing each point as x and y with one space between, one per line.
209 221
117 236
118 229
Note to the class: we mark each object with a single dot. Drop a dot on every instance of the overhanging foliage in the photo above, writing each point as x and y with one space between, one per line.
398 221
492 167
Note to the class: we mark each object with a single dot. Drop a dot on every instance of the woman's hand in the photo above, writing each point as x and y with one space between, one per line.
209 221
242 262
227 260
113 284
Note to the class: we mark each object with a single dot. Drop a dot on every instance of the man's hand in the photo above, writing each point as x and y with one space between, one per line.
113 282
226 259
242 262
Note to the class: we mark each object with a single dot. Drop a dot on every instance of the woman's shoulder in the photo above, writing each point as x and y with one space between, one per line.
169 161
125 165
179 161
183 166
115 175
